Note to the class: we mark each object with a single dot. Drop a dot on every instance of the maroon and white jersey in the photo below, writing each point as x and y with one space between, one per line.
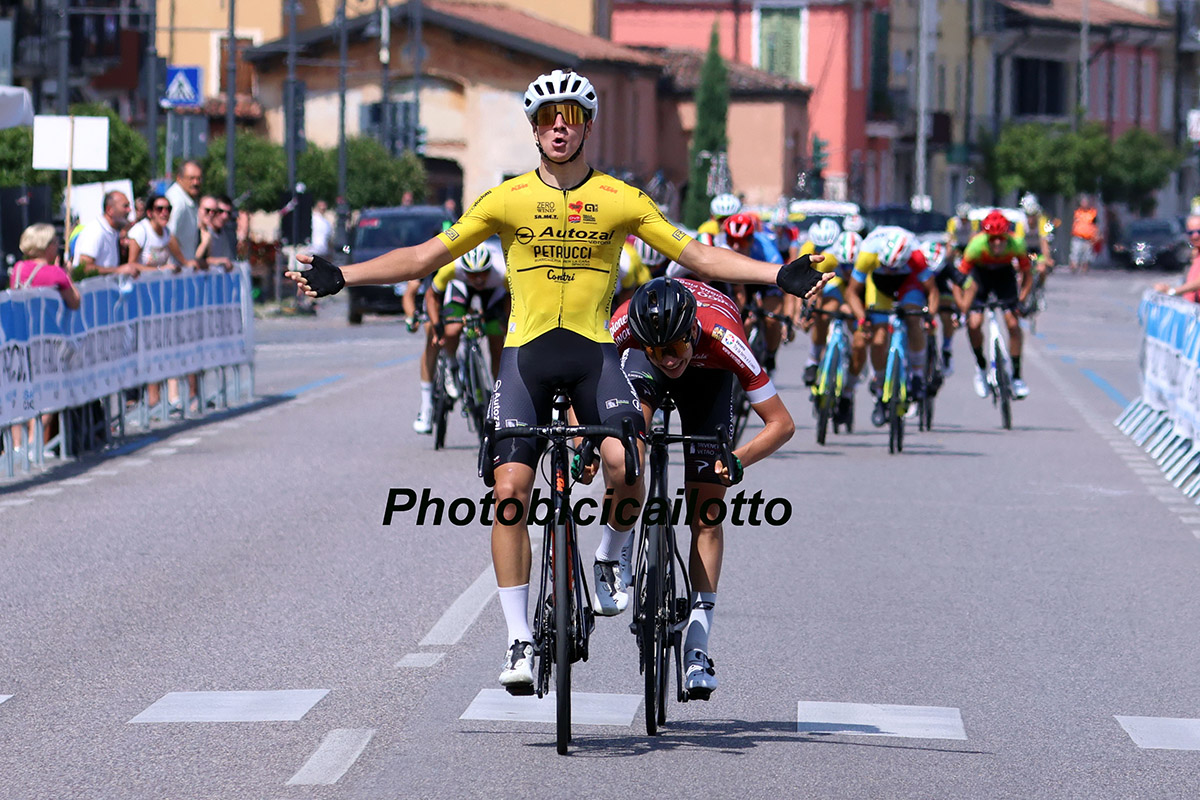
722 342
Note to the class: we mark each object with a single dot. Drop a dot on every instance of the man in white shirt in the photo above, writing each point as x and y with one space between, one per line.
98 246
184 195
321 229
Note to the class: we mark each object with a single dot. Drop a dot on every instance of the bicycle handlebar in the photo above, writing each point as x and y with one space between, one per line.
559 433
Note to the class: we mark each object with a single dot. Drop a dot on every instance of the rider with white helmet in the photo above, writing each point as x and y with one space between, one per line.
722 207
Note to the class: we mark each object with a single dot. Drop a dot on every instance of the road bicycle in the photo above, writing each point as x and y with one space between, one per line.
1035 304
833 374
563 616
756 319
934 377
999 371
895 396
661 587
471 382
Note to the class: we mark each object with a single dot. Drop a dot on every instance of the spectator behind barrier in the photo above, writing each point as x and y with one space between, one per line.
218 234
98 245
184 195
151 244
1190 288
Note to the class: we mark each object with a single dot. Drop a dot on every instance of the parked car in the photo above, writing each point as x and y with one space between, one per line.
1153 243
378 231
927 225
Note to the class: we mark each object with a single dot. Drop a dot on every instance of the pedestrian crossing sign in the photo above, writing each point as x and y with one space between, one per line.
183 87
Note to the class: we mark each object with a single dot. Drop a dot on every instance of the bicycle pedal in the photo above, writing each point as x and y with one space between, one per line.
699 694
520 689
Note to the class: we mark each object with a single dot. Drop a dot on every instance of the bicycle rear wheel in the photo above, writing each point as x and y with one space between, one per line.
1004 390
478 391
562 634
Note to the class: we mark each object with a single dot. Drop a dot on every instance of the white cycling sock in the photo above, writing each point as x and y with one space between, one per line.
612 542
514 600
700 622
426 397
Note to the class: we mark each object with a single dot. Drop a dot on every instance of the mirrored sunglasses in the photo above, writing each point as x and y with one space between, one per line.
572 114
676 349
162 208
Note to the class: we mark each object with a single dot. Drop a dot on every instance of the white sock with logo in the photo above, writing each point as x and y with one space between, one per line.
514 600
700 622
612 542
426 398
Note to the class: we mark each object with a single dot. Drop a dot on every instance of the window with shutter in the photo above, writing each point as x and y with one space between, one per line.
245 70
779 42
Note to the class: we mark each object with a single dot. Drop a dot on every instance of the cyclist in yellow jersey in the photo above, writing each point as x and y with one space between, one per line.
562 227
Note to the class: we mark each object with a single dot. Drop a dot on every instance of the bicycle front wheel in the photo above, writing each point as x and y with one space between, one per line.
562 635
895 423
650 639
441 403
1003 390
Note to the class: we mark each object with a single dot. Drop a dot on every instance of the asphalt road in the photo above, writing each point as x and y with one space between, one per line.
218 612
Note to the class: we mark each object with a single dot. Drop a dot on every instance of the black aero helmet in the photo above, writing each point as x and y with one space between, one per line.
661 311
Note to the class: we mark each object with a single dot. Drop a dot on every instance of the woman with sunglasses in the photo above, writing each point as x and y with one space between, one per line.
562 226
684 338
152 246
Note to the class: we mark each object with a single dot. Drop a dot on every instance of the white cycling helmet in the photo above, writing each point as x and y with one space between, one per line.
823 233
559 87
725 205
477 260
962 210
845 249
896 250
1029 204
855 223
935 254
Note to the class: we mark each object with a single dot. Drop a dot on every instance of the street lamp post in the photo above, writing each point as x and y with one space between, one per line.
291 115
385 59
63 101
230 103
343 55
152 84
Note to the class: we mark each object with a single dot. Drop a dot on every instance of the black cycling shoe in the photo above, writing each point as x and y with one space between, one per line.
810 375
844 412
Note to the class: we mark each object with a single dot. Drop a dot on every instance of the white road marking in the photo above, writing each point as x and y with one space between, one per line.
337 753
420 660
278 706
4 697
867 719
586 708
463 612
1190 520
1162 733
164 451
80 481
106 471
19 501
49 491
135 462
184 442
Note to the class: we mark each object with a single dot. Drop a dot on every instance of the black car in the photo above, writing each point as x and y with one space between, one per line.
378 231
1153 243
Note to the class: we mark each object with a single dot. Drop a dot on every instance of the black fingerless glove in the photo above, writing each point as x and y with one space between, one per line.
323 277
798 277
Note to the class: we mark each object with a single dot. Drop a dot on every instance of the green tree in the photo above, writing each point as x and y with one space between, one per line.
712 112
261 171
316 168
373 178
1141 164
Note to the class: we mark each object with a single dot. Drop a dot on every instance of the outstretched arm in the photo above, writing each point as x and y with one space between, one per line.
402 264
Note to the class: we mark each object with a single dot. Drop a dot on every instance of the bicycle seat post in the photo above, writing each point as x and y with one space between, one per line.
561 403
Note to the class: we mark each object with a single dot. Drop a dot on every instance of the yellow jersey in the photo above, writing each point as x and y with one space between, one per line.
562 248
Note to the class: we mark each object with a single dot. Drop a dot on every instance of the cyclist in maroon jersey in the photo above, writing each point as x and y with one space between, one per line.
686 338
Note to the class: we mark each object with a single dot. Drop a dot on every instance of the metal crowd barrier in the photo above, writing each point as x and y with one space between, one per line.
115 416
1160 421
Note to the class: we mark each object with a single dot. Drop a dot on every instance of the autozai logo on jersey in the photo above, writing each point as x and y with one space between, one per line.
524 235
572 233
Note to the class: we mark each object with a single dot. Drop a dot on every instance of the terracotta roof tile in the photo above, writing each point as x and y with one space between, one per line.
524 25
683 67
1100 13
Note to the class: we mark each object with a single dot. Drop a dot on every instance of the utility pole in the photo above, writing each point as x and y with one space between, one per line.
922 101
291 116
418 59
63 100
343 55
152 85
1084 30
230 103
385 60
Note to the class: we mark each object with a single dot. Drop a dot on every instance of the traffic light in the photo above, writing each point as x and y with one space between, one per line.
820 156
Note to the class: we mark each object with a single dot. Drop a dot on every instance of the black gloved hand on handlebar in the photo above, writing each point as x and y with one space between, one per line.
798 277
323 277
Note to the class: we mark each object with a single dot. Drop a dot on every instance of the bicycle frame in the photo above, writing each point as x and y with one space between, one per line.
997 347
895 378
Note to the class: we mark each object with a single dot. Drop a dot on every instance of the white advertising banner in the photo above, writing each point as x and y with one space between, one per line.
125 333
